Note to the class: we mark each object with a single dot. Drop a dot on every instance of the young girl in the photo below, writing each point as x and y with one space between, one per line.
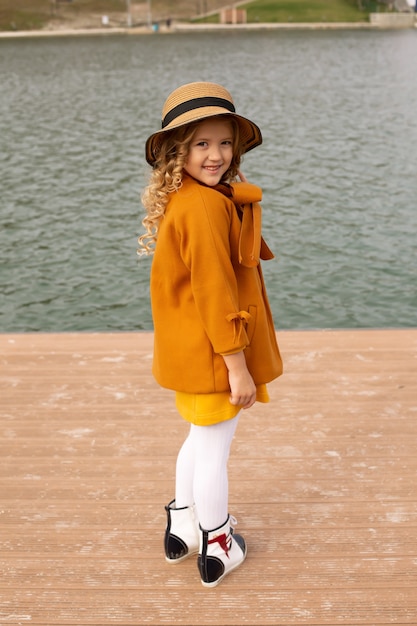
214 337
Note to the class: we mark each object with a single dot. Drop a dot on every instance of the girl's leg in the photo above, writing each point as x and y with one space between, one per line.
182 531
184 478
211 486
201 472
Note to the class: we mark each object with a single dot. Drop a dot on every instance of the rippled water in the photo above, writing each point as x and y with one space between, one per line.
338 167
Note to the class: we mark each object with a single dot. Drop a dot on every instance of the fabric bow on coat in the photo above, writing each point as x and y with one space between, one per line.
252 246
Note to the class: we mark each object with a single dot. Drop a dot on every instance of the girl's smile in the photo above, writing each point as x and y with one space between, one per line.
211 151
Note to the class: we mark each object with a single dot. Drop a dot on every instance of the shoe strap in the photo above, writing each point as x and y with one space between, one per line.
224 541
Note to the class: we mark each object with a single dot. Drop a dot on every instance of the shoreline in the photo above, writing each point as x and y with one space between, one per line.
182 27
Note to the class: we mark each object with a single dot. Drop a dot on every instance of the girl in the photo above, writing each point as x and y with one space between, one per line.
214 337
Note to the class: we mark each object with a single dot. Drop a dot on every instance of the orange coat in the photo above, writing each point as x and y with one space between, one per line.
207 291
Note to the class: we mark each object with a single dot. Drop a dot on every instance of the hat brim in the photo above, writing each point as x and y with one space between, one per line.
251 135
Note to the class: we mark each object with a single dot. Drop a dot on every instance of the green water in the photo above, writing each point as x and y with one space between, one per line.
338 167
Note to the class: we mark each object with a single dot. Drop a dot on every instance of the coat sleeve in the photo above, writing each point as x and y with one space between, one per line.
204 226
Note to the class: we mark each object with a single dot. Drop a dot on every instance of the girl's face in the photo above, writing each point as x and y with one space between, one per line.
211 151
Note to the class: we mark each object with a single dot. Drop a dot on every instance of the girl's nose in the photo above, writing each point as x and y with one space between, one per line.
215 153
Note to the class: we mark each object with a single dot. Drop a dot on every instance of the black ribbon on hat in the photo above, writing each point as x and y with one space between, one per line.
197 103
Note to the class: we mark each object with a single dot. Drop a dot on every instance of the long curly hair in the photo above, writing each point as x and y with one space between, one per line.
166 177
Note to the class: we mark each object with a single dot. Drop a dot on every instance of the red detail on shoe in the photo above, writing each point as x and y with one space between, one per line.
222 541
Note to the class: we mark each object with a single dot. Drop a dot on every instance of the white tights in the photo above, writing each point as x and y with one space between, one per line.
201 474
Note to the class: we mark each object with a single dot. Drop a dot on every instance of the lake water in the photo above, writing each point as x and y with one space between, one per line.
338 167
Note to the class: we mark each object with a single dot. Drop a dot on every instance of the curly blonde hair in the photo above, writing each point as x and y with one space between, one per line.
166 177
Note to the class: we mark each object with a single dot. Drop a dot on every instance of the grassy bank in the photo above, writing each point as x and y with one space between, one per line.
36 14
267 11
32 14
16 14
302 11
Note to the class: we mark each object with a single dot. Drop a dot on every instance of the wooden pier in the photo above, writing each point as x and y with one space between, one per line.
323 482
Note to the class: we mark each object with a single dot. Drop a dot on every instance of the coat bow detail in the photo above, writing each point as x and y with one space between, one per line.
252 246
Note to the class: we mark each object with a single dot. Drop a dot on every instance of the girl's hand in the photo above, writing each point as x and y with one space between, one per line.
242 387
243 390
242 177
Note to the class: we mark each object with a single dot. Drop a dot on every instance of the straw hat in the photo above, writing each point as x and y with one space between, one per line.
196 101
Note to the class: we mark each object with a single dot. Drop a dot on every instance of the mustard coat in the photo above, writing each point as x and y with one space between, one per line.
207 291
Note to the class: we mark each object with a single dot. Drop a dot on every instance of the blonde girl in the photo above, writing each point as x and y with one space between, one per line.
214 338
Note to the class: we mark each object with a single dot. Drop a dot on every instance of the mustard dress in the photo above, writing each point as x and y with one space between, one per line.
206 409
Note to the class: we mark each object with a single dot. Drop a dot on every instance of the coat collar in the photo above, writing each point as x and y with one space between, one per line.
246 198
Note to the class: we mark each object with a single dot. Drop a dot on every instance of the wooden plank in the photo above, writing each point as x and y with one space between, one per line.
322 481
